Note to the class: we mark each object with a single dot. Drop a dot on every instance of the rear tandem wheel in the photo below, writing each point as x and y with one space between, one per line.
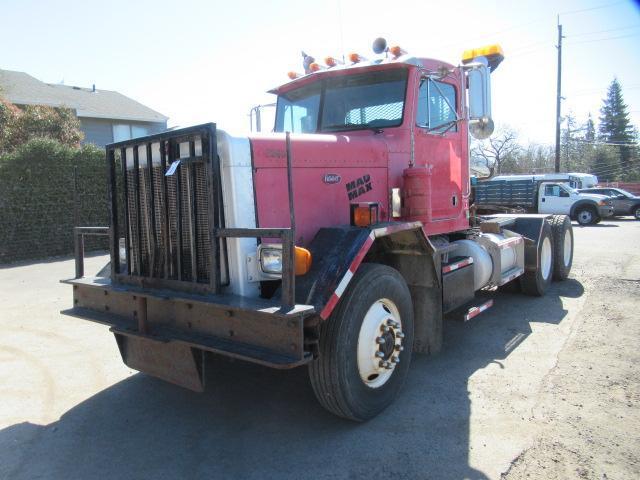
535 282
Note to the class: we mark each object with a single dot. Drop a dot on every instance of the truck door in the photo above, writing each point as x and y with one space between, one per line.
439 147
554 199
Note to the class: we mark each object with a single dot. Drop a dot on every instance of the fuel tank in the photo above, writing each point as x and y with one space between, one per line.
329 171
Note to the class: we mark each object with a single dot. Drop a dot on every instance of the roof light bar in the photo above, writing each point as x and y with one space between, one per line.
493 54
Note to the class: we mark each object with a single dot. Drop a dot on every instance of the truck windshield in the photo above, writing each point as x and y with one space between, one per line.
349 102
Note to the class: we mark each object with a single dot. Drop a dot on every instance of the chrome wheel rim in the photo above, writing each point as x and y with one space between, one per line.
545 258
379 343
567 247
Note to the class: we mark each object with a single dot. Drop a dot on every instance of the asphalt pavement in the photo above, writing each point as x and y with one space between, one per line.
70 409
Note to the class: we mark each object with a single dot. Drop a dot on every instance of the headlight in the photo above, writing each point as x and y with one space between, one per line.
270 258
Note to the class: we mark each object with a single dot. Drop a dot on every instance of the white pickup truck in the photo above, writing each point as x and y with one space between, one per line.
541 197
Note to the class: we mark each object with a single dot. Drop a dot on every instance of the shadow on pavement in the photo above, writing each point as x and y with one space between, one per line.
253 422
597 225
621 219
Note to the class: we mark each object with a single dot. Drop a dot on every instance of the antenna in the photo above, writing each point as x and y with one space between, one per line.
340 29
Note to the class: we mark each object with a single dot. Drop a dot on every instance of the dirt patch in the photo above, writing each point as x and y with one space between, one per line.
588 405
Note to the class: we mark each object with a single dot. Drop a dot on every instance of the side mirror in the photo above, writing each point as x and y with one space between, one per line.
479 80
621 197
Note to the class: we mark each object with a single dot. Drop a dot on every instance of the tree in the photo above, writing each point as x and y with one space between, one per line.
616 128
496 150
19 125
590 130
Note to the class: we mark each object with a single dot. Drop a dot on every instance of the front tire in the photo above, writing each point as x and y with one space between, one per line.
365 345
536 282
586 216
636 213
562 234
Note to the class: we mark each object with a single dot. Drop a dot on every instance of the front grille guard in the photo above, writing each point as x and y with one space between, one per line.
173 229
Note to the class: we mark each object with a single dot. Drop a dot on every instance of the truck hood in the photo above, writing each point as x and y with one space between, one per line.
593 196
329 172
319 150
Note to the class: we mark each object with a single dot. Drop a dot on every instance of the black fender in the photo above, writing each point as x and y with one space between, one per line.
338 252
581 204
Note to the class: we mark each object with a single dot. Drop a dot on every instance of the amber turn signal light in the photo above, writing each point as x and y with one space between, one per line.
302 260
364 214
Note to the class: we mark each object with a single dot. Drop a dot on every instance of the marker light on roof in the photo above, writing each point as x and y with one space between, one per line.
314 67
355 57
330 62
396 51
293 75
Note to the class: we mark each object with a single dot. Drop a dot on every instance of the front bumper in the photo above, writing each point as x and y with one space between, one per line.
162 332
605 211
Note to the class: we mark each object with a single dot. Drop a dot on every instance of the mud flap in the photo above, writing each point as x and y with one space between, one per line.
173 362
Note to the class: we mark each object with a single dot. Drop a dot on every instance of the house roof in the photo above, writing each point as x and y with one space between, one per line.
23 89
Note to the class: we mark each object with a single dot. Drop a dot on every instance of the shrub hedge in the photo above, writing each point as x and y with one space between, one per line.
38 183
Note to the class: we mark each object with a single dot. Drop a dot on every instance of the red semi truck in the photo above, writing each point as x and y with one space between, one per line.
339 241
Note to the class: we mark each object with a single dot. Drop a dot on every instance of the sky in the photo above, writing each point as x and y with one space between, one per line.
198 61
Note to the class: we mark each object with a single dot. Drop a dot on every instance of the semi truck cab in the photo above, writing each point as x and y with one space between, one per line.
339 242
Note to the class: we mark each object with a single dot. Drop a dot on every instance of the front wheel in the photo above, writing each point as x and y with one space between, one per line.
586 216
636 213
365 345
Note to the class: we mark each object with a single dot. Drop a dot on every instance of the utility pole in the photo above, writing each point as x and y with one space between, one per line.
558 95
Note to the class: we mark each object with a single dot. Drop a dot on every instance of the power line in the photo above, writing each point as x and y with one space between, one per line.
572 12
631 144
464 43
608 169
582 34
513 27
598 90
606 38
529 52
527 46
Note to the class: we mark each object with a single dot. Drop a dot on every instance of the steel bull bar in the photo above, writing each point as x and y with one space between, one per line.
161 325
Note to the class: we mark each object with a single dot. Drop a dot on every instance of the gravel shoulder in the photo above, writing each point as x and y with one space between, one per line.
587 410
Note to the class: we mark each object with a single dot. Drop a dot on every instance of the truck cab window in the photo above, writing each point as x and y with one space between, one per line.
352 102
436 106
375 100
297 111
552 190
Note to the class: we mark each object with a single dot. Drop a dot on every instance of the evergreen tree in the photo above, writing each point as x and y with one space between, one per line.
590 130
615 126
